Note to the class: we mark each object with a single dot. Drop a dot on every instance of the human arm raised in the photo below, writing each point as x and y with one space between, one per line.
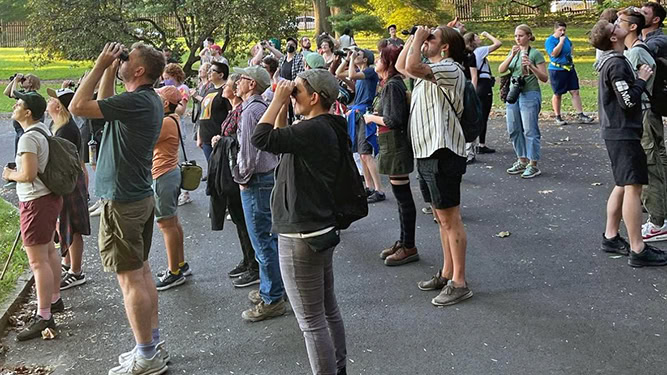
414 67
496 42
504 66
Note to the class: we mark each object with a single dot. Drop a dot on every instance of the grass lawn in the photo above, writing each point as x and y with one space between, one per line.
9 224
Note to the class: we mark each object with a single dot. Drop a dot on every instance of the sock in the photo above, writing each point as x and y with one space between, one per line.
55 297
45 313
156 336
177 272
408 214
146 350
181 264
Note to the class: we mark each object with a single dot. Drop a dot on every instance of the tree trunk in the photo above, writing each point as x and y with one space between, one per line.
322 13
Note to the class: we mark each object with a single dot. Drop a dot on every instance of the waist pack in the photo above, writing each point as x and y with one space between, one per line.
471 119
659 95
63 168
191 173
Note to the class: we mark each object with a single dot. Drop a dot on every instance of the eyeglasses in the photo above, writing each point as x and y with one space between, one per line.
619 20
214 71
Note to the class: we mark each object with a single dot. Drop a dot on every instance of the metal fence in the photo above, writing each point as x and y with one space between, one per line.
465 11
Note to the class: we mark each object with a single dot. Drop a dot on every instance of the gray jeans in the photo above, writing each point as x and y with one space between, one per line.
309 283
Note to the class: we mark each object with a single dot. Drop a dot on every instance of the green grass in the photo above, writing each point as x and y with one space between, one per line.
15 60
9 225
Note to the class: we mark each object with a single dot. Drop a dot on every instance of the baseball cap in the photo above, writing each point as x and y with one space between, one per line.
258 74
315 60
170 94
322 81
368 54
64 95
216 47
390 26
33 101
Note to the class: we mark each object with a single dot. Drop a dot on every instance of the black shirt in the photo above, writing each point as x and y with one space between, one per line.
286 70
469 61
71 133
214 110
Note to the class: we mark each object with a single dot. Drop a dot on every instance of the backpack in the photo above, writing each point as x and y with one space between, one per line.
63 167
659 95
471 119
349 193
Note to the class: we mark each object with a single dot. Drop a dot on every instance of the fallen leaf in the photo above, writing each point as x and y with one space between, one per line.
503 234
48 334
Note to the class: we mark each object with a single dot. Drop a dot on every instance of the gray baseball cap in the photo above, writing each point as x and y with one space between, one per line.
258 74
322 81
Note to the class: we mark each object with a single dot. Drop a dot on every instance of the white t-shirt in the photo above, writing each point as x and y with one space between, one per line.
35 143
480 54
345 41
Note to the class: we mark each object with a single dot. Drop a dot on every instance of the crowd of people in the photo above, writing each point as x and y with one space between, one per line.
263 130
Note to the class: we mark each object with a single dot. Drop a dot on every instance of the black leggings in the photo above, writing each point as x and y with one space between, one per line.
407 212
485 93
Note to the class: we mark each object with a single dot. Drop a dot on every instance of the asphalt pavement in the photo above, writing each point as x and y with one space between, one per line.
546 299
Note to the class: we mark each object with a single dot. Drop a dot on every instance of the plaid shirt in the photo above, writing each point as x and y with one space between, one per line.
231 123
297 64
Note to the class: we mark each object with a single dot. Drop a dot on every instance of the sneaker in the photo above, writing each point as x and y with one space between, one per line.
11 185
249 277
470 158
169 280
402 256
162 352
583 119
377 196
388 251
184 198
97 211
517 168
34 330
58 306
427 210
64 268
653 233
434 283
254 297
617 245
451 295
651 256
263 311
70 280
485 150
95 206
560 121
531 171
138 365
185 271
369 192
237 271
204 178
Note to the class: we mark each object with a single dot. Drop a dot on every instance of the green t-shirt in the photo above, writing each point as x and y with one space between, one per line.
134 121
638 56
536 57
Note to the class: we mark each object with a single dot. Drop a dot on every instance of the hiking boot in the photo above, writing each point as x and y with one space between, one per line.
531 171
249 277
651 256
402 256
58 306
583 119
254 297
69 280
560 121
238 270
389 251
126 357
436 282
616 245
377 196
263 311
654 233
451 295
169 280
138 365
34 330
517 168
485 150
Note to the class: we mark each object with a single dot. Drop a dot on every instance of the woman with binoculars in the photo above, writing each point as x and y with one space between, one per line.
524 101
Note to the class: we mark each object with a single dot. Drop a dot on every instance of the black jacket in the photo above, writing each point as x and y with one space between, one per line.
657 42
619 98
220 185
395 104
302 199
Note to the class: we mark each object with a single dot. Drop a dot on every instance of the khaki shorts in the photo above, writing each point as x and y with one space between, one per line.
126 231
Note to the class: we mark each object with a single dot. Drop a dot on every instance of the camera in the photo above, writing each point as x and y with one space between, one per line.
11 78
516 84
412 31
263 43
339 53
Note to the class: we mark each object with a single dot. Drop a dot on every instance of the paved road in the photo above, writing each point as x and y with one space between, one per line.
547 301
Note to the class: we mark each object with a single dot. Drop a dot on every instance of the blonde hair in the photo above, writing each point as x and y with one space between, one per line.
527 30
61 118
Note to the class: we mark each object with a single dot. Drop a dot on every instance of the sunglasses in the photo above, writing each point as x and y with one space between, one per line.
215 71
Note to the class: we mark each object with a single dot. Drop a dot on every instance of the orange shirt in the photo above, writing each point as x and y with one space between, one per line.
165 153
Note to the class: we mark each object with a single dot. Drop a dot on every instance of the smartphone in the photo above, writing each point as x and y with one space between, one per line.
11 165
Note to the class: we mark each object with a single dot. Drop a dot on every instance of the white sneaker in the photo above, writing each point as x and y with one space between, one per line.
184 198
652 233
138 365
95 206
125 358
97 211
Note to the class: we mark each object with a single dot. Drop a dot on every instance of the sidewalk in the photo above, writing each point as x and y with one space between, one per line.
547 300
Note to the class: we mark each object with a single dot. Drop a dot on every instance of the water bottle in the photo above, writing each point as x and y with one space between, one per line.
92 151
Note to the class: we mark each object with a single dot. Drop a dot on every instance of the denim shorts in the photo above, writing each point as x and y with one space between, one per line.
167 188
441 175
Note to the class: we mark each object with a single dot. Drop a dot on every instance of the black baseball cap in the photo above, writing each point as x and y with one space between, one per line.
33 101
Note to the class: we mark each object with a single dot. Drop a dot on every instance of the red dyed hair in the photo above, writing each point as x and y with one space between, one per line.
389 55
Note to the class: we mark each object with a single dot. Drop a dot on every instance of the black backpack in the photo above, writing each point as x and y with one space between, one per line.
63 167
349 193
659 95
472 118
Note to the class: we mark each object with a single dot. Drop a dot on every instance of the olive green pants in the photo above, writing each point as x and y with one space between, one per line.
654 195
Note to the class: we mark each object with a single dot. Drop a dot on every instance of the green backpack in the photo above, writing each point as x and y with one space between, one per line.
63 167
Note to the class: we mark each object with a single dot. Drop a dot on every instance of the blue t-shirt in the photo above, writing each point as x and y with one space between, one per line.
365 88
565 57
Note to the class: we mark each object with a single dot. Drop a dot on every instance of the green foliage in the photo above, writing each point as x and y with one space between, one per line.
405 14
13 10
356 22
9 225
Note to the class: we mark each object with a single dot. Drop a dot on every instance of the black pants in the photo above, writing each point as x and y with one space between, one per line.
236 212
485 93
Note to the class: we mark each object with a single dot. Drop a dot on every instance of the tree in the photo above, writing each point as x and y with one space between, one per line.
13 10
355 15
322 13
78 29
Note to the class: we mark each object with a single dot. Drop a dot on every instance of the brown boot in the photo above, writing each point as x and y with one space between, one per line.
402 256
387 252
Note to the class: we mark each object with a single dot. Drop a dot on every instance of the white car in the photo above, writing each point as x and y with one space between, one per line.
568 5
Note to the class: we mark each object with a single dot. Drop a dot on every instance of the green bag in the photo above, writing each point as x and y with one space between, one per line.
191 173
63 167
